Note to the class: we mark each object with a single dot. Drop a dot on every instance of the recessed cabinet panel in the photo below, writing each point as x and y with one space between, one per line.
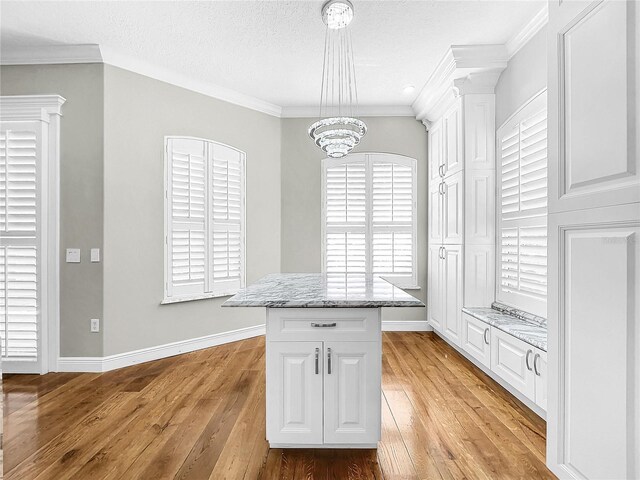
435 152
352 392
512 359
434 287
294 392
599 157
540 371
480 207
452 124
476 339
453 215
600 270
452 291
435 213
479 131
479 275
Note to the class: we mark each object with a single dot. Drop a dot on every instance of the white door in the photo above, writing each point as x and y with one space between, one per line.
452 122
294 392
352 392
22 149
540 371
452 291
476 339
452 209
434 308
512 359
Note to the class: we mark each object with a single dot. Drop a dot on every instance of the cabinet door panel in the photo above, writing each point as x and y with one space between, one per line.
435 214
434 288
294 392
452 124
435 152
476 339
452 209
352 392
512 359
540 370
452 291
593 163
480 207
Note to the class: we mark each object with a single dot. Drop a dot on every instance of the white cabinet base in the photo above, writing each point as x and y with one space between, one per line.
324 368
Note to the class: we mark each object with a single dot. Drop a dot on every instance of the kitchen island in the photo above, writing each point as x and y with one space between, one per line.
324 356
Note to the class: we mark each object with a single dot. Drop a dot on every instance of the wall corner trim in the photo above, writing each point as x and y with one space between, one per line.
526 33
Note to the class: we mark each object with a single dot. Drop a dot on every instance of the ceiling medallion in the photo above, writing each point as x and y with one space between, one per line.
338 130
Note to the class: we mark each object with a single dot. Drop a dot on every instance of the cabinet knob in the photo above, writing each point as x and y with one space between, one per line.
526 360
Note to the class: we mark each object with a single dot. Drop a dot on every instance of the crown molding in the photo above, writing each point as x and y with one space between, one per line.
526 33
362 110
50 54
461 70
30 107
66 54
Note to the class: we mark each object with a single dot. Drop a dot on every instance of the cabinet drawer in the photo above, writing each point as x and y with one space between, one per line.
476 339
311 324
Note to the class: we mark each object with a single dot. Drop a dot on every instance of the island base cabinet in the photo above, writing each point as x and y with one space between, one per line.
294 392
352 392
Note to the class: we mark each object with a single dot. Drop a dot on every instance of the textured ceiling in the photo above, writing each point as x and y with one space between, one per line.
272 50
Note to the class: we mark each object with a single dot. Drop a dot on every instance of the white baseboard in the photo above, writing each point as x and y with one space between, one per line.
126 359
407 326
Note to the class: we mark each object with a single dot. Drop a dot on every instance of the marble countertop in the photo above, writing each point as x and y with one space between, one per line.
317 290
533 333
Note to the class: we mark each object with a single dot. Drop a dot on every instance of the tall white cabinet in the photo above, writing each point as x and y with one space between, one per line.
594 240
461 126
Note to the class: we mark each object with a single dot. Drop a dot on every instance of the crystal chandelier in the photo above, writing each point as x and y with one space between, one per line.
338 131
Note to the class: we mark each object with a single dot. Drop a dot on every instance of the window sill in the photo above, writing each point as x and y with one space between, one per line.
169 301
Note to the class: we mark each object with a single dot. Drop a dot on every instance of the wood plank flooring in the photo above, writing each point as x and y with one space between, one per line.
202 416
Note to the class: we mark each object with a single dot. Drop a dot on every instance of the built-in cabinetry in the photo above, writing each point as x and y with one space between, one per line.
323 377
594 240
521 366
461 208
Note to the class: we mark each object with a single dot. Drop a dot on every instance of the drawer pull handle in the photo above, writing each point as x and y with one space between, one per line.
535 364
324 325
317 361
329 361
486 340
529 352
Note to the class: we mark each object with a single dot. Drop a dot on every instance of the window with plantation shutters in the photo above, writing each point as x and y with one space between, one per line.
19 241
205 219
369 224
522 208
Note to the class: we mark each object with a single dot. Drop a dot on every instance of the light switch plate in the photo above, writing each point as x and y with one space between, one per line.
95 255
73 255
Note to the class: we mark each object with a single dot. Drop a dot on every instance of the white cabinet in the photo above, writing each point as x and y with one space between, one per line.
434 307
452 147
541 380
476 339
512 360
435 153
321 390
294 392
352 392
453 209
451 285
435 213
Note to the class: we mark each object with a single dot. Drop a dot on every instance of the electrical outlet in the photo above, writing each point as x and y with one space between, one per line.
95 325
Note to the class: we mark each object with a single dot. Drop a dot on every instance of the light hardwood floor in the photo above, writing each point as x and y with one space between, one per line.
202 415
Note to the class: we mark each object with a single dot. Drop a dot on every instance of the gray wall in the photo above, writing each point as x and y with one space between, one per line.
139 112
301 194
81 193
525 75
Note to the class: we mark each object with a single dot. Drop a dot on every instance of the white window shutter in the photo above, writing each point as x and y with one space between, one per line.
227 176
187 217
369 216
19 234
522 146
